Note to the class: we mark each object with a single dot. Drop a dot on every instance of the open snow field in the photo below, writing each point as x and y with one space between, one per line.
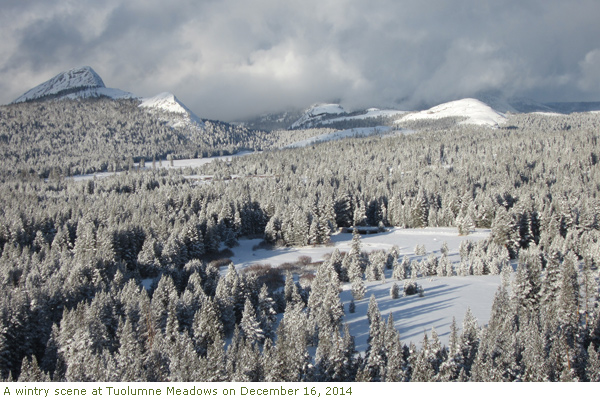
444 297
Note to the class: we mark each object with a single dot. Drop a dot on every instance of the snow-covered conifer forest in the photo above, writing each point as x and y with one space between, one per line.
139 276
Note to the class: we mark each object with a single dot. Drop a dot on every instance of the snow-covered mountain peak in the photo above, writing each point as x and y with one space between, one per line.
167 102
475 112
82 82
74 79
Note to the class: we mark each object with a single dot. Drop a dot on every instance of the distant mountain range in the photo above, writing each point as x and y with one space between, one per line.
487 109
483 110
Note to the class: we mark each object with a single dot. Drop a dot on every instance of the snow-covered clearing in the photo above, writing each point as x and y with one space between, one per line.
444 297
183 163
405 239
176 164
92 176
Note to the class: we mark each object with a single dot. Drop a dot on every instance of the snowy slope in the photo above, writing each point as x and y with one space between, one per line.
167 102
316 113
475 112
80 82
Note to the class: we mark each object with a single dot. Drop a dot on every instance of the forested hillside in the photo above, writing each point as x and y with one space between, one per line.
67 137
75 256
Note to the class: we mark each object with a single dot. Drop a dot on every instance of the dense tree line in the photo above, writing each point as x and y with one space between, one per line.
74 256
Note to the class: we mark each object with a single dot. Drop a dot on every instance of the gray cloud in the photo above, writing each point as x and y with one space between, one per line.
228 59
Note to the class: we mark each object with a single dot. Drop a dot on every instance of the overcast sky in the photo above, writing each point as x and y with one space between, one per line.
227 59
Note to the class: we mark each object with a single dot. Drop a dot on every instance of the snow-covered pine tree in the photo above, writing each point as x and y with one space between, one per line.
130 366
375 356
336 261
469 341
592 369
30 371
324 305
250 329
396 363
397 270
208 327
266 314
358 289
567 303
228 290
376 266
395 291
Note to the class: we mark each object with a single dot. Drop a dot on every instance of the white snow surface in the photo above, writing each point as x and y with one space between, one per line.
444 297
475 111
82 82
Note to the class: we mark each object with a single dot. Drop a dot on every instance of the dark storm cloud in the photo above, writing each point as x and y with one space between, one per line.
227 59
